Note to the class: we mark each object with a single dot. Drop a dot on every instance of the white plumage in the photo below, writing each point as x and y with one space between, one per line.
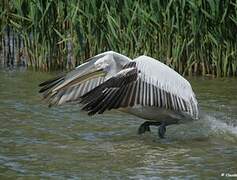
144 87
163 77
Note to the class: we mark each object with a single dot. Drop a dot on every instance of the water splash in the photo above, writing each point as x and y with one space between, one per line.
219 126
207 127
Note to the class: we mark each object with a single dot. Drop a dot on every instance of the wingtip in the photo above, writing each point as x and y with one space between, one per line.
41 90
51 80
42 84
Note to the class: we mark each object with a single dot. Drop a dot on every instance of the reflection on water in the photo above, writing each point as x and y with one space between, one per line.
63 142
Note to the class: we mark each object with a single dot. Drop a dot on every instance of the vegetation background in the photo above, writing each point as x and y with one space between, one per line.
192 36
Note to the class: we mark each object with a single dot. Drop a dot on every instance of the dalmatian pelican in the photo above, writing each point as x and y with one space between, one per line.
144 87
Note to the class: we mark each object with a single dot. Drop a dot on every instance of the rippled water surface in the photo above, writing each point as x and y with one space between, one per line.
62 142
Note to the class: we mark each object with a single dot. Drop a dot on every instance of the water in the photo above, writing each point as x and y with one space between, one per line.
64 143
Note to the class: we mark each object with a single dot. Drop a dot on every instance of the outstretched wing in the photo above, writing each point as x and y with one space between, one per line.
169 89
71 86
110 94
144 81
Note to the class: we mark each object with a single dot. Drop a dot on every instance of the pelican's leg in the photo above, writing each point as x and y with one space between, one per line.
162 127
162 130
146 126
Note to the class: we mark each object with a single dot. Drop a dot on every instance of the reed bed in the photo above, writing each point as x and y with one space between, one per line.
192 36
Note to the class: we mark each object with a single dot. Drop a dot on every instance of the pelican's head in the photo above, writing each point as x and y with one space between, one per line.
104 63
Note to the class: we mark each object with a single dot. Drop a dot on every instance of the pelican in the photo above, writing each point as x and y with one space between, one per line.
144 87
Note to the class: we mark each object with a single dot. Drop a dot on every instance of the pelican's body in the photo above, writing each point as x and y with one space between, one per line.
156 114
143 87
